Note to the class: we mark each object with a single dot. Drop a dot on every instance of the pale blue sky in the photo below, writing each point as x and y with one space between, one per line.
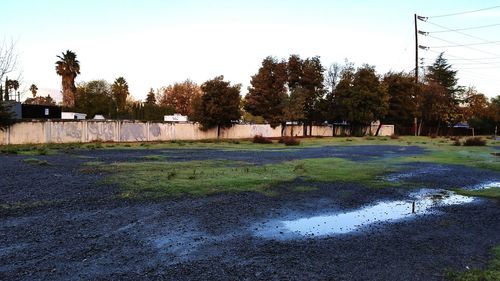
155 43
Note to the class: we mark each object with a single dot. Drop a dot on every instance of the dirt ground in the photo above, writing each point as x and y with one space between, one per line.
59 223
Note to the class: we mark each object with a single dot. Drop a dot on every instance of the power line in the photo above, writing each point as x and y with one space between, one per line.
466 28
459 32
454 43
463 13
462 58
465 45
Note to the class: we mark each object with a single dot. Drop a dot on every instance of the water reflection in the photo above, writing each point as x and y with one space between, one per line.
420 203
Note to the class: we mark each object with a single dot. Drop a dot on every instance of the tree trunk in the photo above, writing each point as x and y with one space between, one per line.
378 129
218 131
420 126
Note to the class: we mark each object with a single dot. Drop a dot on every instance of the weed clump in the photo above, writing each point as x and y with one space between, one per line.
289 141
394 137
261 139
35 161
475 141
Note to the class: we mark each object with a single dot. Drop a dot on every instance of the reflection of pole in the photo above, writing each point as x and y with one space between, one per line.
416 66
413 207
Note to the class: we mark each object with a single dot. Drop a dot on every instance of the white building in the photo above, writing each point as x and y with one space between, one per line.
175 118
73 115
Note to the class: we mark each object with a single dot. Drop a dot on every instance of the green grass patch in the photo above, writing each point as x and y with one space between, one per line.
477 157
154 158
303 188
36 161
488 192
490 273
198 178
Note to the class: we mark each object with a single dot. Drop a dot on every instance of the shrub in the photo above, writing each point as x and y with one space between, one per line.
289 141
394 137
475 141
433 136
457 142
261 139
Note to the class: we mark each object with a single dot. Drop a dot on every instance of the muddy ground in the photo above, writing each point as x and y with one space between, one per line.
59 223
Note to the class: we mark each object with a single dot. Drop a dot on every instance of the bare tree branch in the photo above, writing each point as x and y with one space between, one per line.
8 58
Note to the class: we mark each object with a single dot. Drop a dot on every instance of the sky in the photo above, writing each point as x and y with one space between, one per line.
154 43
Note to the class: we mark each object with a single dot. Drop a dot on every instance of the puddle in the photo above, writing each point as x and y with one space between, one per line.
486 185
434 170
426 200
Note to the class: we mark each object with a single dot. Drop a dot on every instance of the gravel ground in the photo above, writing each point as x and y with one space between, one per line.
60 224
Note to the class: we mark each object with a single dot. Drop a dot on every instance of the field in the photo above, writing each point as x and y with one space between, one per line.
329 208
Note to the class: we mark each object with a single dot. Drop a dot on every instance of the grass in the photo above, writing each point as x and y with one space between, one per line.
247 144
477 157
36 161
156 177
488 193
490 273
198 178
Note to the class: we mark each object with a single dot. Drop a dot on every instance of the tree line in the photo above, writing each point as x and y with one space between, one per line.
298 90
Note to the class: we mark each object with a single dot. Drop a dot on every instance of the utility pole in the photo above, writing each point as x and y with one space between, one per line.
415 123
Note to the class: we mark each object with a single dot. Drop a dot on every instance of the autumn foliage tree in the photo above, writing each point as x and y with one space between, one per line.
180 96
218 105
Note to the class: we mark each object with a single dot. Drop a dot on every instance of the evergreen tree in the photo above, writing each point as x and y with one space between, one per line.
151 98
6 116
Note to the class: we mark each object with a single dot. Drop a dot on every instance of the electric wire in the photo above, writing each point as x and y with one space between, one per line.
463 33
466 28
463 13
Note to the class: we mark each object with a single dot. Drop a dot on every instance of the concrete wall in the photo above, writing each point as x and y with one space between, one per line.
128 131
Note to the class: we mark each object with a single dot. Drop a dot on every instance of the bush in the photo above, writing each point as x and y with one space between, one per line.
289 141
457 142
394 137
261 139
475 141
433 136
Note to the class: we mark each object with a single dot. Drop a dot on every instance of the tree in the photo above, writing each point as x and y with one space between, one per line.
6 116
11 86
180 96
361 98
41 100
8 59
120 92
441 74
218 105
152 110
267 93
307 75
94 97
150 98
293 106
68 67
33 89
402 101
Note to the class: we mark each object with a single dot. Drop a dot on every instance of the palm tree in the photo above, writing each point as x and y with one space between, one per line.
68 67
33 89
